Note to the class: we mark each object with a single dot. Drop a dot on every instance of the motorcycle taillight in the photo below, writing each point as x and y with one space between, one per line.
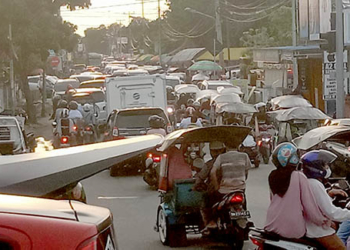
75 128
257 241
259 143
237 198
64 140
156 158
88 128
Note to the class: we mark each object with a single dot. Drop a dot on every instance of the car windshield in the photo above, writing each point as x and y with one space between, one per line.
137 118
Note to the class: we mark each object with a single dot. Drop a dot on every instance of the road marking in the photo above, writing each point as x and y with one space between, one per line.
111 198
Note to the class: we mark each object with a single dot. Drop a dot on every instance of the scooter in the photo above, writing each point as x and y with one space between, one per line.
64 133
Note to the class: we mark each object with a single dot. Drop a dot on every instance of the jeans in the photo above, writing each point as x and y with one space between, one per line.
344 231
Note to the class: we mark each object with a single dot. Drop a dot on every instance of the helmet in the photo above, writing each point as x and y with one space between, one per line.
190 111
73 105
62 104
315 162
190 102
285 154
156 121
198 163
215 145
65 113
86 107
196 104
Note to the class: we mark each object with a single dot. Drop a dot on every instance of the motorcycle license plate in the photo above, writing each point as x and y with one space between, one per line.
240 215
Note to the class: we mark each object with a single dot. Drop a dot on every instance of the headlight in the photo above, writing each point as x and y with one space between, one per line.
170 110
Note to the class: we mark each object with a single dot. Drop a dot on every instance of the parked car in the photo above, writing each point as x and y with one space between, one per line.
36 223
126 123
50 83
13 139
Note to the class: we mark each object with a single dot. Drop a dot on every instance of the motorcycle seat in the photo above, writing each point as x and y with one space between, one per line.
275 237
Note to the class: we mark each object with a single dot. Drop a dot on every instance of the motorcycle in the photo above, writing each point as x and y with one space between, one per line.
151 174
88 134
265 143
232 219
250 148
65 134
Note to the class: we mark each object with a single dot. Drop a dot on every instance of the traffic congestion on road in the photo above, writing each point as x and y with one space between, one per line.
156 133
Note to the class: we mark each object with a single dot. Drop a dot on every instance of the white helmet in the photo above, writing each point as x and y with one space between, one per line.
86 107
65 113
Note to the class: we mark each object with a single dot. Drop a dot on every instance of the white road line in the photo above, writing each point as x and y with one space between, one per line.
111 198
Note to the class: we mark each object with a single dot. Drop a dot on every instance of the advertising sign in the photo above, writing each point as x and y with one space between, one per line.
325 15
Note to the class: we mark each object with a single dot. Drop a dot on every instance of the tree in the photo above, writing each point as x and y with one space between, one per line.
36 28
257 38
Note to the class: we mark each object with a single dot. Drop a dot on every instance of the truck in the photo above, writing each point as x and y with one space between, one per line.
136 92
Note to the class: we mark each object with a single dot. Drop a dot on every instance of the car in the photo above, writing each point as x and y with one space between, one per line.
127 123
172 81
212 84
37 223
13 139
84 78
338 122
50 83
62 85
92 84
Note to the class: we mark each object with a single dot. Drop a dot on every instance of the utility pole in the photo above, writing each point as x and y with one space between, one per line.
340 102
12 75
143 8
294 37
159 36
228 47
43 94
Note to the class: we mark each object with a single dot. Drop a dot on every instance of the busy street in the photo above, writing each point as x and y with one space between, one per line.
175 124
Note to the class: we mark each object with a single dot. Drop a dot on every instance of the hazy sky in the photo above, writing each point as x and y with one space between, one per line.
110 11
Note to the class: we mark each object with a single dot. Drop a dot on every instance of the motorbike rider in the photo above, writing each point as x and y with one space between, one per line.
61 105
203 183
180 113
291 200
88 114
190 119
74 113
55 101
156 123
316 166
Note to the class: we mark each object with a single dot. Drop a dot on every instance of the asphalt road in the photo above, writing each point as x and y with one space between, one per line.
134 207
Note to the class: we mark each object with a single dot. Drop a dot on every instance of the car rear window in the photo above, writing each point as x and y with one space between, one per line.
94 97
62 85
137 118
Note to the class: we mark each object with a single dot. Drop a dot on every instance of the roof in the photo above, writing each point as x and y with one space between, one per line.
235 53
205 56
187 55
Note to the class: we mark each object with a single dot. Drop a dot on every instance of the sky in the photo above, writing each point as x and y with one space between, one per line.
110 11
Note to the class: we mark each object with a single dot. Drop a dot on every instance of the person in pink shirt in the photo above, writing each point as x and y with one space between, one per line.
292 201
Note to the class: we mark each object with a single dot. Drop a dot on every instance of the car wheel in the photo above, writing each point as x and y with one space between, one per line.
162 225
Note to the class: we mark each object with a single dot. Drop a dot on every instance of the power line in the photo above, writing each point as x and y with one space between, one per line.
277 5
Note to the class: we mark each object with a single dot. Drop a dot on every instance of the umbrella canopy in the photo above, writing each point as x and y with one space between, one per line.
227 98
237 107
234 90
289 101
200 77
317 135
301 113
186 88
206 93
205 65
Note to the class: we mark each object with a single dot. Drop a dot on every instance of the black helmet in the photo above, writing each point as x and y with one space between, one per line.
285 154
62 104
315 163
73 105
156 121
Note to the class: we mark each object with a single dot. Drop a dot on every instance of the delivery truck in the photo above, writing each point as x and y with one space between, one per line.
136 92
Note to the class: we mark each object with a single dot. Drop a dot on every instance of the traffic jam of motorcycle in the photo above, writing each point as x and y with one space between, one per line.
152 136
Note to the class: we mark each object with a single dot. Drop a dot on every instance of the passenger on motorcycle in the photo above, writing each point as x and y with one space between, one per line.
316 166
180 113
74 113
292 201
61 106
156 123
88 114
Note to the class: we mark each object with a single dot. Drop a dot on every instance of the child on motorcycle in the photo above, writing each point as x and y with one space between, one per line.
315 165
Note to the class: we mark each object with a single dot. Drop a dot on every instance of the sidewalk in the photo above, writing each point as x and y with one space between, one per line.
43 127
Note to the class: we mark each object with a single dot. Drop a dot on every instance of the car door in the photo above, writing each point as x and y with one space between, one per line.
108 135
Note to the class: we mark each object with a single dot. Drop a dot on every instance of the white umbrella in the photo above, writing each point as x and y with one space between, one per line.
289 101
227 98
317 135
301 113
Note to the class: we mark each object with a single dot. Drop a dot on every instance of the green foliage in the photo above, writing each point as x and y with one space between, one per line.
257 38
